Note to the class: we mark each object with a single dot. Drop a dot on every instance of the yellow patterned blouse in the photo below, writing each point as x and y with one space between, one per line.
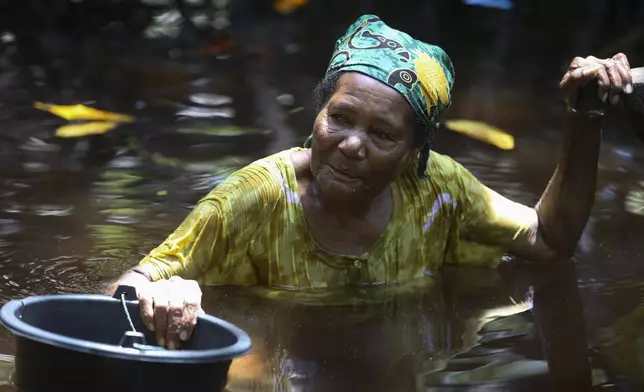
251 230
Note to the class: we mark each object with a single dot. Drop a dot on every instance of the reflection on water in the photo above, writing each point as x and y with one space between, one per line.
392 342
462 330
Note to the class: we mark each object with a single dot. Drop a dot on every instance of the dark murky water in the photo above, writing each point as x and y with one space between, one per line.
73 216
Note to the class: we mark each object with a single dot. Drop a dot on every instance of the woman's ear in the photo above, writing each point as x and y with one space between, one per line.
419 147
413 156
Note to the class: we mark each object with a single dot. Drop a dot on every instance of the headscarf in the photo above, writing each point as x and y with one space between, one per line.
422 73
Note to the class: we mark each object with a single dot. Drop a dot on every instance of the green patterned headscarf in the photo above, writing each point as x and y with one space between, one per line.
422 73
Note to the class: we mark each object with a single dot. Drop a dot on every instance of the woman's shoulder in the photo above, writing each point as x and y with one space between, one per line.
441 169
446 172
263 180
446 178
443 165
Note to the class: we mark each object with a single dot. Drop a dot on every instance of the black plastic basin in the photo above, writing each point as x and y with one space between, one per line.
71 343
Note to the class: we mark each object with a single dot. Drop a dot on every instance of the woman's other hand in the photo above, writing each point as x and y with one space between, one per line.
170 309
613 77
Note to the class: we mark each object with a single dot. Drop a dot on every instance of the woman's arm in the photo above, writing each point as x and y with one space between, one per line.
136 277
564 207
209 246
553 227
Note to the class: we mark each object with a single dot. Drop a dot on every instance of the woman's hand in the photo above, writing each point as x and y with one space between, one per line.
613 78
170 308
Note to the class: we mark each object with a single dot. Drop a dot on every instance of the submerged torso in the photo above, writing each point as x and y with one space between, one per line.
252 230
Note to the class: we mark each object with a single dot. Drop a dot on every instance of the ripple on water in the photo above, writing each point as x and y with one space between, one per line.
116 241
63 274
37 145
121 219
198 112
207 99
610 285
4 244
7 193
35 167
123 210
14 209
499 172
53 209
124 162
9 226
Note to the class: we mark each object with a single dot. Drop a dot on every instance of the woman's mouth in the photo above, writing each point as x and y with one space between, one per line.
344 174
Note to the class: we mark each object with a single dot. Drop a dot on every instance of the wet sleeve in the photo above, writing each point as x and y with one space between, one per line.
486 223
211 243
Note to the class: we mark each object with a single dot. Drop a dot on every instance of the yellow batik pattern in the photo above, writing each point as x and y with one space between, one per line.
251 230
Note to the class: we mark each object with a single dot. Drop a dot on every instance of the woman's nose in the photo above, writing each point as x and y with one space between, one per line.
353 146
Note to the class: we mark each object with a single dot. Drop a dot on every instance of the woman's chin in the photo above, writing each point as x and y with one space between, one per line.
341 190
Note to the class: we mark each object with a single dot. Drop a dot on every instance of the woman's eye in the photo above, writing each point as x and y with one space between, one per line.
382 135
340 118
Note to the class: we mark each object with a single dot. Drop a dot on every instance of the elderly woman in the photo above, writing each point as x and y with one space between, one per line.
365 202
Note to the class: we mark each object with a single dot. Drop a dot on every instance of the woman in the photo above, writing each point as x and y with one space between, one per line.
365 203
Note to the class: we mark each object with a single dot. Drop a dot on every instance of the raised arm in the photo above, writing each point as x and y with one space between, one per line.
553 227
565 205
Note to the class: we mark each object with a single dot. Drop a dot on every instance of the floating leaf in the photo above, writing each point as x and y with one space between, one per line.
85 129
483 132
81 112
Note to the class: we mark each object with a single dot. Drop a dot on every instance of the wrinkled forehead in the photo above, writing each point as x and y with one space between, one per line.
363 94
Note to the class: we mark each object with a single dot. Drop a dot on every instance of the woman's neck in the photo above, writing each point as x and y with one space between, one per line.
351 208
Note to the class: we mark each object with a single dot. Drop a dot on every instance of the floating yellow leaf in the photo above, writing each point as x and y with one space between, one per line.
81 112
85 129
483 132
288 6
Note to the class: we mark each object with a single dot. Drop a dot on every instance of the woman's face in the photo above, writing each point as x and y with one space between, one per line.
363 138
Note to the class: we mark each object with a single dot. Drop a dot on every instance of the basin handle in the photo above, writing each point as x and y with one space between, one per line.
129 291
